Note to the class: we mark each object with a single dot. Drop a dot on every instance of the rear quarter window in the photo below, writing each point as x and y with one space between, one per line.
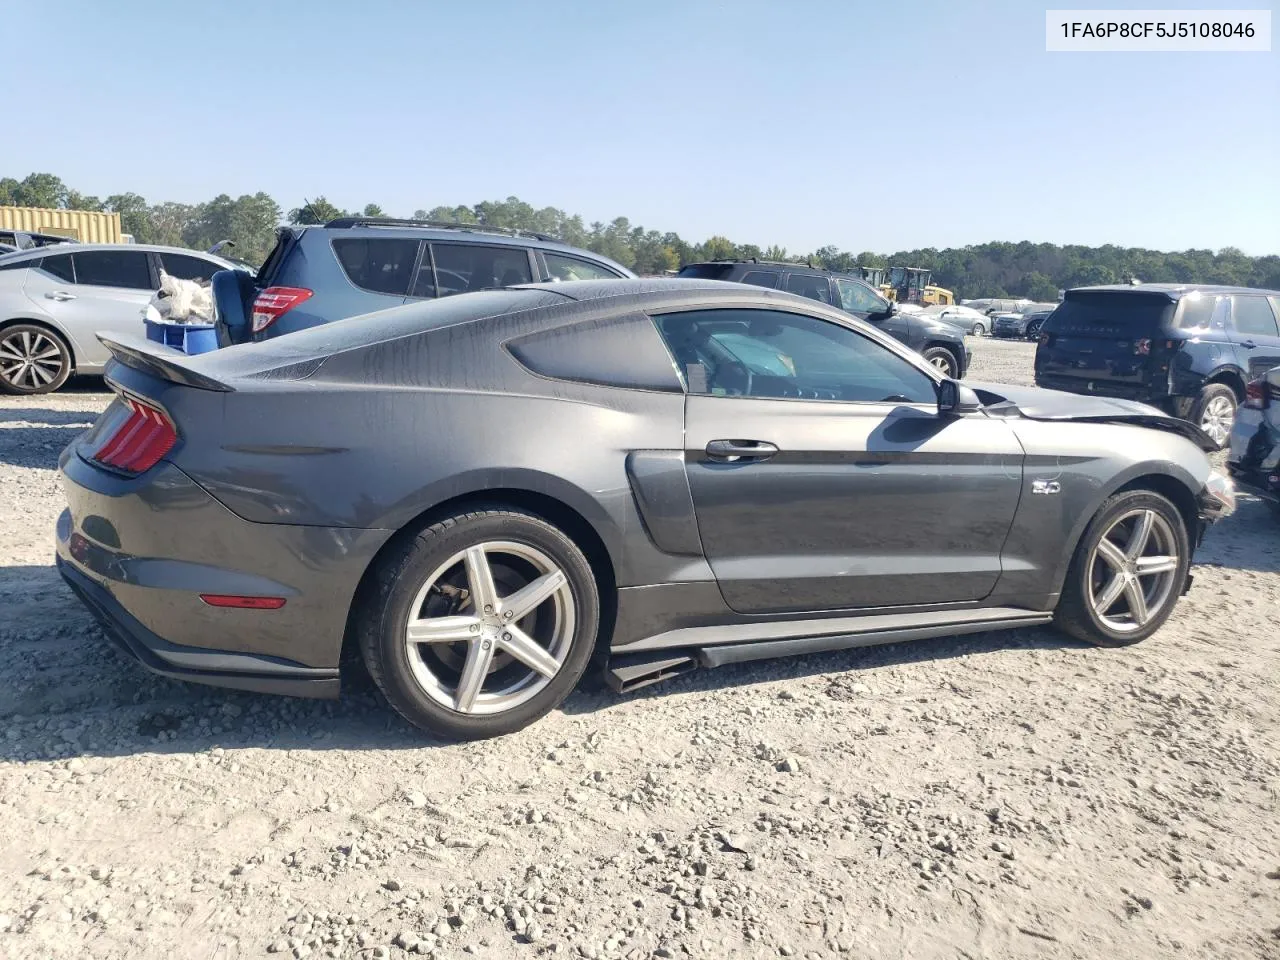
379 265
1197 311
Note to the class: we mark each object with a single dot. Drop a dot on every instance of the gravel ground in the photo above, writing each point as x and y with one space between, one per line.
1002 795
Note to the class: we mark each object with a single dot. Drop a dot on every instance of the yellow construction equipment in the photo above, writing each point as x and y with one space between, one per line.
912 285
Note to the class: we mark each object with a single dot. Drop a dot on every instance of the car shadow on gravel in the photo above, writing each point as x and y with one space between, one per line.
835 664
45 416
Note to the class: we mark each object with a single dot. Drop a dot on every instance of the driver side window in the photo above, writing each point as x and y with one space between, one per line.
859 298
779 355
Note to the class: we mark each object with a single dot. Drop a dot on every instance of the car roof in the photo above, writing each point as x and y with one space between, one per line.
1173 291
363 228
778 265
32 253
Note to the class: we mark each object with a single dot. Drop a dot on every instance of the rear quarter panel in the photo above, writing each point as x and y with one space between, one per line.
381 434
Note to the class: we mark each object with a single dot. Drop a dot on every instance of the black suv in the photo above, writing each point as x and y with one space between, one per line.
1187 349
355 265
940 343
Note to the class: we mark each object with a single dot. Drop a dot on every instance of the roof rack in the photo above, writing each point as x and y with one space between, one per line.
345 223
768 263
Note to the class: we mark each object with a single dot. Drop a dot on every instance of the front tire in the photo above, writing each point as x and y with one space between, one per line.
480 624
1033 329
1214 412
33 359
944 360
1127 572
978 330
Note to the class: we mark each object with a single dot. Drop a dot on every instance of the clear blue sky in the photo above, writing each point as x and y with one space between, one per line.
865 125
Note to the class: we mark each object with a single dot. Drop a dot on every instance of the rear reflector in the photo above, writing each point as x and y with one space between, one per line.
274 302
245 603
137 445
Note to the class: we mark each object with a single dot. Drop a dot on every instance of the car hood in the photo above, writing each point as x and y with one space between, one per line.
1034 403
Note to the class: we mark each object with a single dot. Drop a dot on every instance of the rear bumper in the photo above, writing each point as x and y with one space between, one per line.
211 667
139 552
1101 387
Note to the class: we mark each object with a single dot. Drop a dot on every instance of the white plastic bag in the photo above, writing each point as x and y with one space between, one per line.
182 301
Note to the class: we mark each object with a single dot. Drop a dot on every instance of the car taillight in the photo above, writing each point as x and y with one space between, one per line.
1142 348
137 445
1257 394
274 302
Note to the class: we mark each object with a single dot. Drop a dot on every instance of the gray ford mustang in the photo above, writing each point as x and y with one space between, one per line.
482 492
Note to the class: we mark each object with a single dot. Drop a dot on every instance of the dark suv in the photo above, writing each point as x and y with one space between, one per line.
1187 349
355 265
942 344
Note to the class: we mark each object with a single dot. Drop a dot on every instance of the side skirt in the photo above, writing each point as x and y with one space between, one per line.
715 646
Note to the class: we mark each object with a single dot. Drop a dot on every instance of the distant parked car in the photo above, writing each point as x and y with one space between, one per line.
940 343
1254 458
1022 324
26 240
1188 349
994 305
358 265
971 321
54 300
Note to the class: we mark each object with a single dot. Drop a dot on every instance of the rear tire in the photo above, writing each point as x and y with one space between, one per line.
33 359
1098 608
978 330
1214 412
944 360
465 670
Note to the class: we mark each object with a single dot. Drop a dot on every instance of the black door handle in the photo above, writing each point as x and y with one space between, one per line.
738 451
1248 344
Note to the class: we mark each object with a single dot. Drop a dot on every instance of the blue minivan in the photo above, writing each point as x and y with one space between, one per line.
356 265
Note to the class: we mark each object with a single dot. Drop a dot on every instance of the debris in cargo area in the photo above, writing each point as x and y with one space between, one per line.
180 301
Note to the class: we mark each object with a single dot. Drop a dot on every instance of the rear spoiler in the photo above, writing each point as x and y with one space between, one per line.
165 363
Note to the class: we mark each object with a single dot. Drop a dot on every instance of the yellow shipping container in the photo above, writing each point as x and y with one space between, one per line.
87 226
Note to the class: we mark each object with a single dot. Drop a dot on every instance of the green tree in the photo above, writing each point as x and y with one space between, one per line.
135 215
1039 288
372 210
315 211
41 190
78 201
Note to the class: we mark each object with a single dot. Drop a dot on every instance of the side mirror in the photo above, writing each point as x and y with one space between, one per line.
955 399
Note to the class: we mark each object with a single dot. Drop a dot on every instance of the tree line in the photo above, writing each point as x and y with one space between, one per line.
997 269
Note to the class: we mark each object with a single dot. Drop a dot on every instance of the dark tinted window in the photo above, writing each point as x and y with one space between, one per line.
770 353
1197 311
859 298
571 268
1122 315
113 268
61 267
705 271
808 285
760 278
466 267
183 267
1252 315
378 265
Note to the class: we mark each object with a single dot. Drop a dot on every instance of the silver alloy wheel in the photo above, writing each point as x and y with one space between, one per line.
943 362
1217 418
30 359
489 653
1140 571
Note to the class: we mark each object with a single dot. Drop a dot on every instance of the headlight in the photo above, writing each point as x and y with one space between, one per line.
1219 497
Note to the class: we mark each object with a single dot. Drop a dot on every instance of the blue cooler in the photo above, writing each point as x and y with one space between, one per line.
190 338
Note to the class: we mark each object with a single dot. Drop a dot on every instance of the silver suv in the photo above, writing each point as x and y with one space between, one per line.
53 300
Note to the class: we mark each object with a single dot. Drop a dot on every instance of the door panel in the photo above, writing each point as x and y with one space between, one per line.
862 505
1254 332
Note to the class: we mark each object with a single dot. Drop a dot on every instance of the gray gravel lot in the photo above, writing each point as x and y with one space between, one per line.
1001 795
